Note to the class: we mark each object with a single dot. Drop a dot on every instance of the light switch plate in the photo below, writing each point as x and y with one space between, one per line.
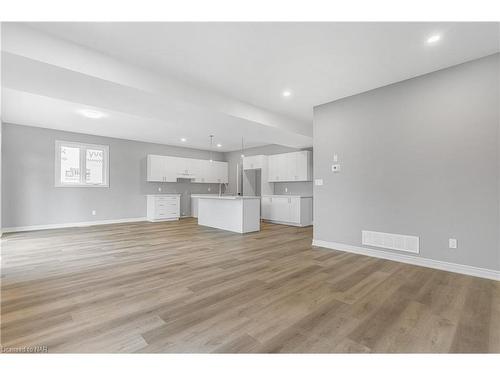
336 168
452 243
335 158
318 182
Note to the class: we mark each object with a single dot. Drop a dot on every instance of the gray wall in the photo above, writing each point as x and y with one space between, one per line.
30 198
420 157
299 188
1 232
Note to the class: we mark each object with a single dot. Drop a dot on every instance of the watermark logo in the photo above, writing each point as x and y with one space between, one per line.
25 349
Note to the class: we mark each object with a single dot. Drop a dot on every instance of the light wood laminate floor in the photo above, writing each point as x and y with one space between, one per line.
179 287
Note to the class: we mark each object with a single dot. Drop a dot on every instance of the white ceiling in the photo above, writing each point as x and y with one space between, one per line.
255 62
46 81
160 82
26 108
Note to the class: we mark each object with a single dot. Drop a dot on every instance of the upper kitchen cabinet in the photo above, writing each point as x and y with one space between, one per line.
254 162
184 167
168 169
220 172
155 168
212 172
292 166
159 169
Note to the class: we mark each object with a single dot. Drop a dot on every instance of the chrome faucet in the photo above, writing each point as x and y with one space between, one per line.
220 188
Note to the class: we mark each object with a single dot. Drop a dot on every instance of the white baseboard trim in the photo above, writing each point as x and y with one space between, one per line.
162 220
418 261
72 225
287 223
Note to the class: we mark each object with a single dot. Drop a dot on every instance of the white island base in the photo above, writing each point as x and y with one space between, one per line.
233 213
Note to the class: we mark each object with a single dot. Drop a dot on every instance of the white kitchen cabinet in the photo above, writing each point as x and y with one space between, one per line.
223 171
232 213
295 207
212 172
291 166
155 168
265 207
218 172
201 172
159 169
162 207
303 166
195 200
276 171
290 210
185 167
169 168
280 211
254 162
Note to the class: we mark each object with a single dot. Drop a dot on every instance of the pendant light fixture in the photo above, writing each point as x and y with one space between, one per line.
211 144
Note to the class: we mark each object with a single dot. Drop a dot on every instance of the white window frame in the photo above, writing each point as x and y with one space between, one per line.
83 153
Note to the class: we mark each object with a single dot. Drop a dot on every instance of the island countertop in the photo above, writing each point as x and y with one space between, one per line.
164 195
240 214
288 195
228 197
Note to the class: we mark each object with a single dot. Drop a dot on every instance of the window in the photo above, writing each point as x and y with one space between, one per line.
80 164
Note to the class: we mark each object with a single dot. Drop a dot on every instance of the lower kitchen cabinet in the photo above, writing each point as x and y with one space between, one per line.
161 207
287 209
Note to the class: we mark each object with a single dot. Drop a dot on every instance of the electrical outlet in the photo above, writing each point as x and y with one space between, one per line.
94 212
159 189
452 243
209 188
286 190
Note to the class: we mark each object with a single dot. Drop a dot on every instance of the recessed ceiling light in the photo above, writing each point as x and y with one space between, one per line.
286 93
219 145
433 38
183 139
91 113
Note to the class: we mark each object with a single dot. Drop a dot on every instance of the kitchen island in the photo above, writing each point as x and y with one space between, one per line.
239 214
